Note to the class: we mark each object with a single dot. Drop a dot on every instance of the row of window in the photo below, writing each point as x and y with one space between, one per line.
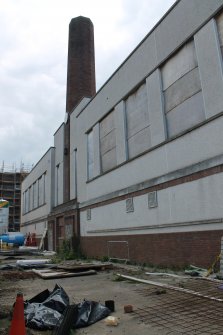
35 195
182 102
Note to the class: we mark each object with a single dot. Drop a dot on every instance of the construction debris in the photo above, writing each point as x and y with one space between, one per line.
128 308
51 274
85 266
195 271
111 321
165 286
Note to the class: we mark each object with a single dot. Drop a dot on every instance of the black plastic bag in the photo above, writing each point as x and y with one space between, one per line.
44 311
47 309
90 312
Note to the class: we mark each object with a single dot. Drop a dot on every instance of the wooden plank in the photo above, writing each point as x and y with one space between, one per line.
103 266
49 274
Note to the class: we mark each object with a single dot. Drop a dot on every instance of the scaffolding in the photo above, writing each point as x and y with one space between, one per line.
11 178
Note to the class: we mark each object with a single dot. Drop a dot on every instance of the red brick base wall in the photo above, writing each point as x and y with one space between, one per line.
174 249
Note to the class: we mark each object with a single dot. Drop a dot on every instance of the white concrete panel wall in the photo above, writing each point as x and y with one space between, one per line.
181 23
75 145
73 175
156 108
120 127
185 18
210 67
59 145
59 164
45 165
193 201
193 147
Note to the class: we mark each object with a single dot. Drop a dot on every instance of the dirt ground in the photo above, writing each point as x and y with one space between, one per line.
150 302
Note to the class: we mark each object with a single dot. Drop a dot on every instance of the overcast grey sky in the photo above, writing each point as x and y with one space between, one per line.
33 61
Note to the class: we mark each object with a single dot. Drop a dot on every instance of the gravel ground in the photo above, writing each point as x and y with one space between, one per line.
171 312
100 287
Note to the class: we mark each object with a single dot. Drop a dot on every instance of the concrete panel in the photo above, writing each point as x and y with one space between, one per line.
73 122
96 151
108 142
210 66
150 165
107 124
139 142
73 175
120 128
186 115
182 89
59 185
179 64
203 143
137 115
185 18
59 145
155 108
114 216
197 200
108 160
190 202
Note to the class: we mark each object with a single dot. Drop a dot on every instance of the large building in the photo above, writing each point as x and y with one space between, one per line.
136 171
10 190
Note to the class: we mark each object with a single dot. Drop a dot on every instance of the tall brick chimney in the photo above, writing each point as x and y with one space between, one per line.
80 80
81 62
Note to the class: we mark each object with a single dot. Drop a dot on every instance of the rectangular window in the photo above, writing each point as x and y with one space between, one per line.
57 184
220 30
30 198
35 195
137 122
184 106
108 143
90 154
24 203
40 191
75 172
44 188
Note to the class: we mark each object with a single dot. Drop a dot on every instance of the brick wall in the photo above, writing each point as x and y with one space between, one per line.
81 61
174 249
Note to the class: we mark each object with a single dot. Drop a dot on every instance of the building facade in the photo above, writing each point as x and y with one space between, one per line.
145 152
10 190
38 196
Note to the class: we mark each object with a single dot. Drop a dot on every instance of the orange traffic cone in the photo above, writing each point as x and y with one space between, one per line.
18 320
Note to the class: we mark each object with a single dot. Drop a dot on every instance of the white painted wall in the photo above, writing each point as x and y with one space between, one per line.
59 165
201 144
193 201
45 165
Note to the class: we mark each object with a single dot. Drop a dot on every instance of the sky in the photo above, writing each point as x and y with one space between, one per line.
33 63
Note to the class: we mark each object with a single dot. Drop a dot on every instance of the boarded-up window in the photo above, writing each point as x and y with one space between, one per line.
137 119
30 198
40 191
26 201
184 106
90 154
108 142
220 30
35 195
